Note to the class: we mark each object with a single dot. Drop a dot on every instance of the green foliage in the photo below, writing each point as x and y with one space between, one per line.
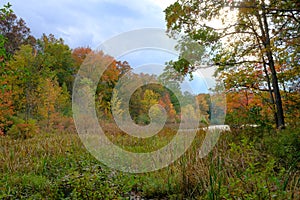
57 56
57 166
3 54
285 146
28 186
93 183
143 119
21 129
190 57
6 10
252 180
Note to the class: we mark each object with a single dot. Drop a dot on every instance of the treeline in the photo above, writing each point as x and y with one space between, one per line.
37 77
120 90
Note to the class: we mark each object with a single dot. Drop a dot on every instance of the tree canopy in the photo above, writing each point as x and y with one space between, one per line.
252 37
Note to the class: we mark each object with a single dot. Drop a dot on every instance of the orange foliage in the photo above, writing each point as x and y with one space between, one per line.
166 103
244 99
6 109
79 54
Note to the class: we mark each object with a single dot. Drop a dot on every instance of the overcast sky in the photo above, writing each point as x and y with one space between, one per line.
89 22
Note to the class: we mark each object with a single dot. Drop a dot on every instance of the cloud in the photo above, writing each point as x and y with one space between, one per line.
89 22
164 3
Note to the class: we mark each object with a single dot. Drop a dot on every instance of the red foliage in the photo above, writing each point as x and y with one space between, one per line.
6 109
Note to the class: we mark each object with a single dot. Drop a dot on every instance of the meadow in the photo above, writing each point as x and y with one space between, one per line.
251 163
45 84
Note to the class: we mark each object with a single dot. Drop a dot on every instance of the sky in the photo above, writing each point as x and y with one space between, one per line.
89 23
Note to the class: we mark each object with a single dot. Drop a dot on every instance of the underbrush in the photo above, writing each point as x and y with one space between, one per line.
56 166
245 164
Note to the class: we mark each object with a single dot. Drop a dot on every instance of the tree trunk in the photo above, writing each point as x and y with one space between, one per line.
271 94
267 44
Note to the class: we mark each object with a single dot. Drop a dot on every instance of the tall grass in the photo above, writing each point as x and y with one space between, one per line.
241 166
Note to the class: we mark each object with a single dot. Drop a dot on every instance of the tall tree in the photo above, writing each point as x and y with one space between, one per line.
14 30
52 100
57 56
166 103
250 36
6 109
23 80
79 54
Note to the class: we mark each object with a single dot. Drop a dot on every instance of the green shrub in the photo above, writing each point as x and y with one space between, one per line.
28 186
143 119
284 145
253 175
23 130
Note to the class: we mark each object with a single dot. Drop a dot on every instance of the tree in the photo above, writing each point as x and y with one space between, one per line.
204 105
14 30
243 104
190 114
6 109
5 11
111 71
261 31
57 56
52 100
116 107
166 103
149 99
23 80
79 54
33 83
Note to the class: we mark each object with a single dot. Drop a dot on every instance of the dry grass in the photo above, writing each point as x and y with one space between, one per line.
237 168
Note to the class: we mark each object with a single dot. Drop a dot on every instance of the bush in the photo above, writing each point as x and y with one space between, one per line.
284 145
23 130
27 186
143 119
58 124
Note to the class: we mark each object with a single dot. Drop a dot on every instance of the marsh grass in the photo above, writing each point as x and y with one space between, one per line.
241 166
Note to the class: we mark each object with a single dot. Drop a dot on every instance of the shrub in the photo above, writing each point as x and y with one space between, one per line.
143 119
23 130
284 145
27 186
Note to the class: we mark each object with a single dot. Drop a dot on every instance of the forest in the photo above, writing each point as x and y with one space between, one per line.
257 60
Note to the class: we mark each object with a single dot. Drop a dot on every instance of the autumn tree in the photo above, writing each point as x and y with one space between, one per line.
105 87
247 107
23 80
79 54
204 106
57 56
149 98
111 71
257 32
14 30
52 100
167 104
6 109
32 81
